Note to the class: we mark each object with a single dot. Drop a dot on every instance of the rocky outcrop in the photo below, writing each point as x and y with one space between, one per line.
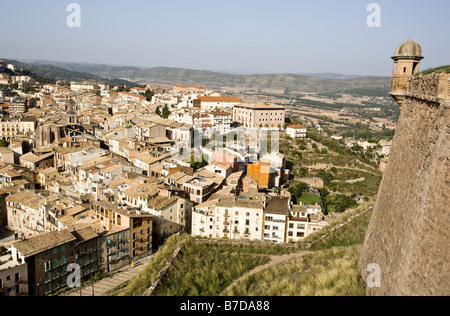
410 228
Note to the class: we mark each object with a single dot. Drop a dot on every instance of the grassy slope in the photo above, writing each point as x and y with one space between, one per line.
328 273
442 69
331 271
209 268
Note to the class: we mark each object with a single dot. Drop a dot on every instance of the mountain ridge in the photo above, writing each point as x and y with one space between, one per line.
290 84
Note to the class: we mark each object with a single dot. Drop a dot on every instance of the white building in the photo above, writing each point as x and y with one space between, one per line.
297 131
83 86
230 217
276 216
218 103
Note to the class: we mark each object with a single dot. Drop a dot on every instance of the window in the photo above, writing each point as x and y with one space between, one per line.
47 266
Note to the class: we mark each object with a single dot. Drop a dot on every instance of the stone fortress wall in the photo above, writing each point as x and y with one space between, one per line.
410 228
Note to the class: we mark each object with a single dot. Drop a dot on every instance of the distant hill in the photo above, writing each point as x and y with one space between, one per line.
292 83
60 73
329 75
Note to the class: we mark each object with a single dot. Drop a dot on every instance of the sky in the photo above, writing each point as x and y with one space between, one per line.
245 36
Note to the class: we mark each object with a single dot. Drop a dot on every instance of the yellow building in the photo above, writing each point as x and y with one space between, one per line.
263 173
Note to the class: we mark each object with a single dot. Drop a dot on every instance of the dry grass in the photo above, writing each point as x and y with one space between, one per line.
145 279
327 273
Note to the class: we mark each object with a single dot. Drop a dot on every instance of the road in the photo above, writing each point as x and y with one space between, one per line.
120 277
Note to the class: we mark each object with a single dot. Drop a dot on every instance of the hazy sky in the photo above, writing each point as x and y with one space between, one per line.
246 36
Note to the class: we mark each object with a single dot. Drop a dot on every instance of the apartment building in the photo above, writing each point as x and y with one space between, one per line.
276 216
114 250
26 213
259 115
83 86
13 276
47 175
147 130
230 217
199 189
12 126
139 223
49 255
131 97
17 106
171 215
303 221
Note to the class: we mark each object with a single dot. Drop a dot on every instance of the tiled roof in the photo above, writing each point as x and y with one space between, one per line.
277 205
43 242
161 202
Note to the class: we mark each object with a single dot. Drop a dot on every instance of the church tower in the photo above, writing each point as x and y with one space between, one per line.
407 59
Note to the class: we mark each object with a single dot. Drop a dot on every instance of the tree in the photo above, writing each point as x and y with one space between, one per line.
158 111
196 164
323 195
166 112
298 189
339 203
149 94
3 143
325 176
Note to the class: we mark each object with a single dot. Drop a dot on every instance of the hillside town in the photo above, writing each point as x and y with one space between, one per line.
93 175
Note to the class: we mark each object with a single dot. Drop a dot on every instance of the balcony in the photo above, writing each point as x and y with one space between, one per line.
226 231
275 220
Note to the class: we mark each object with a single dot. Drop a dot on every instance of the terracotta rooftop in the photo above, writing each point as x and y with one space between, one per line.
161 202
220 99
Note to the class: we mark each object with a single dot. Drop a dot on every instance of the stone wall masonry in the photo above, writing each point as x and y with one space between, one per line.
433 88
410 227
